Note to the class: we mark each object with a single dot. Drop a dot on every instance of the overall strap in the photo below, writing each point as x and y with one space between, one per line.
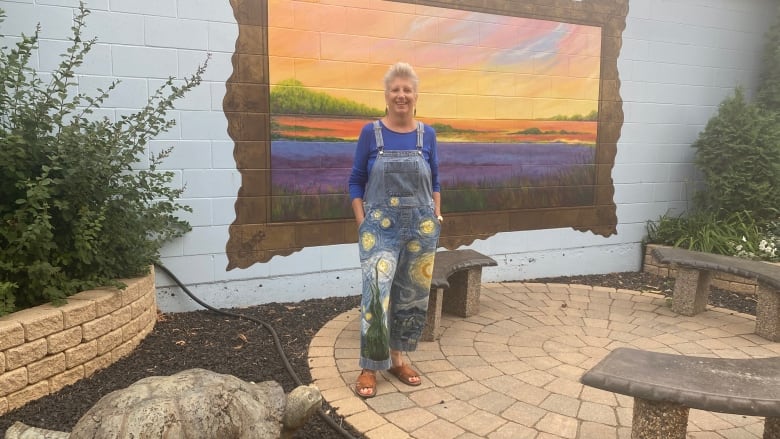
380 144
420 132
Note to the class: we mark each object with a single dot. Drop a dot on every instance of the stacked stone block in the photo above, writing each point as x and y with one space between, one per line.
46 348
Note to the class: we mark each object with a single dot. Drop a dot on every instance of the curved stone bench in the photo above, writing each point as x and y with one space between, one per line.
666 386
459 272
694 274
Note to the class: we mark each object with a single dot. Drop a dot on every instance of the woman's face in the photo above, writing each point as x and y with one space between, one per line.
401 96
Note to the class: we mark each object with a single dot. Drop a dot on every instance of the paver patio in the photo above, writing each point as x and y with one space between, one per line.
513 370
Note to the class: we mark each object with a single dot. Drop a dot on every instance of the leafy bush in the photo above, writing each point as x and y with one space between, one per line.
738 154
736 234
75 210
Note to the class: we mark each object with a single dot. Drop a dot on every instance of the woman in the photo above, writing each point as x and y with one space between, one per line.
395 194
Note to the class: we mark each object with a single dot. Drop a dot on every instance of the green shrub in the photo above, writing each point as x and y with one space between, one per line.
75 209
736 234
738 154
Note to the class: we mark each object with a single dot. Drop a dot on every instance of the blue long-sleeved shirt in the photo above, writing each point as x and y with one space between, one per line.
366 152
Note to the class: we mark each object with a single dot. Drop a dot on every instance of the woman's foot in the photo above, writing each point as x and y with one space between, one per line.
400 370
366 384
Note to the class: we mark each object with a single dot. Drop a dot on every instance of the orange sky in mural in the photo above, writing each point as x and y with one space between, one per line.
471 65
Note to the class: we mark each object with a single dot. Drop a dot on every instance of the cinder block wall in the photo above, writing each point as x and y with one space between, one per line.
677 62
46 348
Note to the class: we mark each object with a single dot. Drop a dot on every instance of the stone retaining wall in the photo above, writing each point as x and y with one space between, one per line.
724 281
46 348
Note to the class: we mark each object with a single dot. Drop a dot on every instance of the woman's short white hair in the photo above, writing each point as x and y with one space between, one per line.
401 70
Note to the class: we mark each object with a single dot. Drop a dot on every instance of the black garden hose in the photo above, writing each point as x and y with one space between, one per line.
271 330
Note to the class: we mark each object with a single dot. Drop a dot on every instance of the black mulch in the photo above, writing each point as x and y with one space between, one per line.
243 348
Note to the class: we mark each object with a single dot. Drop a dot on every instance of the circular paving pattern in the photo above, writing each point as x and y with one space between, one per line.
513 370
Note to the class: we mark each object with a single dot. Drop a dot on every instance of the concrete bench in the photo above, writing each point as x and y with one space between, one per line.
666 386
459 272
694 274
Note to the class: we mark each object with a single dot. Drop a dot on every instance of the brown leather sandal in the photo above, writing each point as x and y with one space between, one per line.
366 381
404 374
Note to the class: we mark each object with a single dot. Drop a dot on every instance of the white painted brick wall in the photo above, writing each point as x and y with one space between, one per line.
144 62
176 33
158 8
678 60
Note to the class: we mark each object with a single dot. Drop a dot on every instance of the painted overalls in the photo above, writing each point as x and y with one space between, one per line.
397 242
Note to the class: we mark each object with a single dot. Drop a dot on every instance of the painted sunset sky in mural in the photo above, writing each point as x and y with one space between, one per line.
513 100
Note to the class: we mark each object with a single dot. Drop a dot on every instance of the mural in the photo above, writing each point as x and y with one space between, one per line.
514 102
524 99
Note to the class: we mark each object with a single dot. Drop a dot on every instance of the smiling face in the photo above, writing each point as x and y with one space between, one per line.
401 96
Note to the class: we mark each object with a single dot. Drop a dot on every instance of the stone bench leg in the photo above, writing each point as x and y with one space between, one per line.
463 293
772 428
691 291
768 313
658 420
433 319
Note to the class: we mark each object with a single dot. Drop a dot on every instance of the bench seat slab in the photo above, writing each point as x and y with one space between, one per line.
746 386
659 420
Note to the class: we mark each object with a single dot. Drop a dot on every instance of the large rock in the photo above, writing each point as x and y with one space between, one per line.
193 404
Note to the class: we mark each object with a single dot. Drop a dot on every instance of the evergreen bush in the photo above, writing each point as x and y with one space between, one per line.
738 154
76 208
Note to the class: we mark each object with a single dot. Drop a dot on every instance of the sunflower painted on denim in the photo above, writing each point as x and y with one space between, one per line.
421 270
427 227
367 240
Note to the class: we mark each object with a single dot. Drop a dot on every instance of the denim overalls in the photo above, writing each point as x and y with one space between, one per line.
397 242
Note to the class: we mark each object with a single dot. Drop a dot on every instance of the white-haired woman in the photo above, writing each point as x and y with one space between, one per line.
395 192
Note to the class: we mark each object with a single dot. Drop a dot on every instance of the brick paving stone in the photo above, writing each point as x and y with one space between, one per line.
366 420
493 402
439 429
564 405
447 378
462 361
452 410
387 431
535 377
512 367
598 396
524 414
411 419
707 421
480 422
479 373
595 430
512 430
560 425
390 402
565 387
600 413
434 366
468 390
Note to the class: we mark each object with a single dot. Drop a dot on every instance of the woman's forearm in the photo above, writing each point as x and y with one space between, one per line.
437 203
357 209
